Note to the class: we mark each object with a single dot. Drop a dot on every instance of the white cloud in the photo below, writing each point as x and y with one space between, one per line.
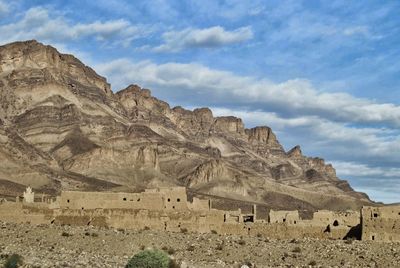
38 24
270 118
4 8
362 170
381 195
297 96
362 30
208 37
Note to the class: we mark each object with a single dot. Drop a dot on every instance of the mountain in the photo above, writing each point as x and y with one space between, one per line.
62 127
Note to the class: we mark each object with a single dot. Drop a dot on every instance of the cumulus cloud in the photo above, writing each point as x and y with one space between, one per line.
38 24
296 96
362 170
209 37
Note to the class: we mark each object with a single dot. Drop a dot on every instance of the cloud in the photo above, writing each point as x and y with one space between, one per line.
375 193
38 24
293 97
362 170
211 37
4 8
362 30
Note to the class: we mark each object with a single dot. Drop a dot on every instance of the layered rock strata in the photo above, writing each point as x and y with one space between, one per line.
62 127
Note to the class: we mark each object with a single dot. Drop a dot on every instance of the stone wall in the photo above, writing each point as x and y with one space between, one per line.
336 218
282 216
381 223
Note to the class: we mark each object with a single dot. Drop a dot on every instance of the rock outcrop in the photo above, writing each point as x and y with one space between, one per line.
61 127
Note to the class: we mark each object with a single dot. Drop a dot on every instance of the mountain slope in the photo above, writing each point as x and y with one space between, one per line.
61 127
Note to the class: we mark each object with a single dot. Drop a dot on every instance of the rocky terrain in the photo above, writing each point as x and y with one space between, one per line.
62 127
63 246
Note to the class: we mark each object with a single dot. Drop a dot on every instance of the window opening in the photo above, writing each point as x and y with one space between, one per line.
249 218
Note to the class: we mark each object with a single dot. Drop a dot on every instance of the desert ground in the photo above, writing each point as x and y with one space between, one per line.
66 246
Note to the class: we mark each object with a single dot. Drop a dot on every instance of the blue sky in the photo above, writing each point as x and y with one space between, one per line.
322 74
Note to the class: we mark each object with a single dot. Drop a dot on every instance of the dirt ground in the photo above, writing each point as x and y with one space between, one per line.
65 246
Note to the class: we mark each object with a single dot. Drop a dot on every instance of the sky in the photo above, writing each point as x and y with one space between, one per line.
323 74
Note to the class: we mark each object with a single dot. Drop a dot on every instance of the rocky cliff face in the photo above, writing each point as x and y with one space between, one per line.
61 127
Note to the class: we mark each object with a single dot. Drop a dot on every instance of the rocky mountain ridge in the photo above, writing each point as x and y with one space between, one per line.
61 127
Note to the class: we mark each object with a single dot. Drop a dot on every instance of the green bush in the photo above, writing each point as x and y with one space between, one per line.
149 259
13 261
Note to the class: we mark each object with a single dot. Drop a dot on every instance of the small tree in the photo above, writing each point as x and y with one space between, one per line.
149 259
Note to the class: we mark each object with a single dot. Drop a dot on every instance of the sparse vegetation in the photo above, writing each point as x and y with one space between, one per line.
220 246
242 242
13 261
91 234
312 263
173 264
65 234
169 250
296 250
149 259
94 235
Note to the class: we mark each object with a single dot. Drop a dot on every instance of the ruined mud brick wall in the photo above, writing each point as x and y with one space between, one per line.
173 198
24 213
336 218
281 231
139 219
291 217
381 223
168 209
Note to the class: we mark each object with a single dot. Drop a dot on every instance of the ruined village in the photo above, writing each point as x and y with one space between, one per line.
114 174
168 209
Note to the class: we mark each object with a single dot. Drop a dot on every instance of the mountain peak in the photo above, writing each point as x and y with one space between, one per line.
45 61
